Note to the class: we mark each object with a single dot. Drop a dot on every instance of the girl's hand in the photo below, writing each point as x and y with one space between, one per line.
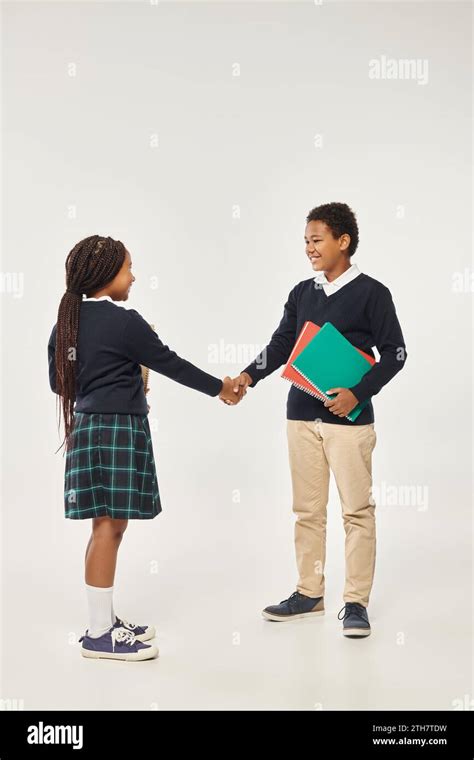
227 394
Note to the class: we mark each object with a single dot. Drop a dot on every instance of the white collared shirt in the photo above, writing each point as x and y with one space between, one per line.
339 282
107 298
101 298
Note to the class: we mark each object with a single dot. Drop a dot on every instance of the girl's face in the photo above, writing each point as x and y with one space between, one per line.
324 251
119 288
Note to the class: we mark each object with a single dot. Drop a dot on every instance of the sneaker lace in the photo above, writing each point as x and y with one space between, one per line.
352 608
292 598
123 636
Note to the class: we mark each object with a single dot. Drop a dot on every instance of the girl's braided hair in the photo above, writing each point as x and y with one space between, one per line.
90 266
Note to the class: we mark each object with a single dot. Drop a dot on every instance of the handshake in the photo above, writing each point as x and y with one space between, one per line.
234 390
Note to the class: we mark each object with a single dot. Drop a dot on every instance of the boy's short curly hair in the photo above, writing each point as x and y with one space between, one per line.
340 219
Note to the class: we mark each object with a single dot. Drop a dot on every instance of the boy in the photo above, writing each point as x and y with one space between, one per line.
320 437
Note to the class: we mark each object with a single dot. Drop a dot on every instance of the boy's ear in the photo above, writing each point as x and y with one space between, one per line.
345 242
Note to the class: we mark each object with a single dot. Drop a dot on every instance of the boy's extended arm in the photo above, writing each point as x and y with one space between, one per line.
278 351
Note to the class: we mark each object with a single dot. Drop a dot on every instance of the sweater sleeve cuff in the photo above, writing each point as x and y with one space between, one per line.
360 391
218 387
251 371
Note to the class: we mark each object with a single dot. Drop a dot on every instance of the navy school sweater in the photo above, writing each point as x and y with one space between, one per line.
112 343
363 311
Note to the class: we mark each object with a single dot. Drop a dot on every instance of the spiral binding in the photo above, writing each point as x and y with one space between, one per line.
320 391
303 388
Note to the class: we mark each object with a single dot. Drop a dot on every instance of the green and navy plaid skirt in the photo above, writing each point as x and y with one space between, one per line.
110 469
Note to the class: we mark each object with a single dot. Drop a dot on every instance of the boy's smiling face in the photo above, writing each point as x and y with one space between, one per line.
326 253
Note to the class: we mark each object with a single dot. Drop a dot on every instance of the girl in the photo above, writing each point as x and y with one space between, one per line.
95 353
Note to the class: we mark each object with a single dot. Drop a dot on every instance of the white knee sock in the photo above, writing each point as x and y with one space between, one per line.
100 609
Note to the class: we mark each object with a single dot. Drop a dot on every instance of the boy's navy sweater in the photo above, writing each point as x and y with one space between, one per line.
112 343
363 311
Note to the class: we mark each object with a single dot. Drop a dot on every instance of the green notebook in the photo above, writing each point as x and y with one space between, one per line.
331 361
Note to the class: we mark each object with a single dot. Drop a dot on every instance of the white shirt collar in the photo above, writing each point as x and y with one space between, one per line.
339 282
107 298
101 298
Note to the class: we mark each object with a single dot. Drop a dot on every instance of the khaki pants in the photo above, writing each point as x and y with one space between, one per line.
314 449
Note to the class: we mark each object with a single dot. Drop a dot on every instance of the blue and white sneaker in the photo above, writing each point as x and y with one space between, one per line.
142 632
355 620
117 644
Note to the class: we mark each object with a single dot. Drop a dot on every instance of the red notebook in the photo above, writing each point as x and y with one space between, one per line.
307 333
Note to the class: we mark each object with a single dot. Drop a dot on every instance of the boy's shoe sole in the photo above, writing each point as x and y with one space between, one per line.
143 654
287 618
356 633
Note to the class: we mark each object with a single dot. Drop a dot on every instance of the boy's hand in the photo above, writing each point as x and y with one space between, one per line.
241 383
344 402
239 386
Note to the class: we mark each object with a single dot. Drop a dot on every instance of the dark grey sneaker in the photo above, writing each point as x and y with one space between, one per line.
355 620
296 606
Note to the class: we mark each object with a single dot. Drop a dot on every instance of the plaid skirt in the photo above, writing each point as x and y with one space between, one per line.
110 469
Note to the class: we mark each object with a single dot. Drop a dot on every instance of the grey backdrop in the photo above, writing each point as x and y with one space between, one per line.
200 134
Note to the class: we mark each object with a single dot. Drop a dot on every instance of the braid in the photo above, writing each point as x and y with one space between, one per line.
90 265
